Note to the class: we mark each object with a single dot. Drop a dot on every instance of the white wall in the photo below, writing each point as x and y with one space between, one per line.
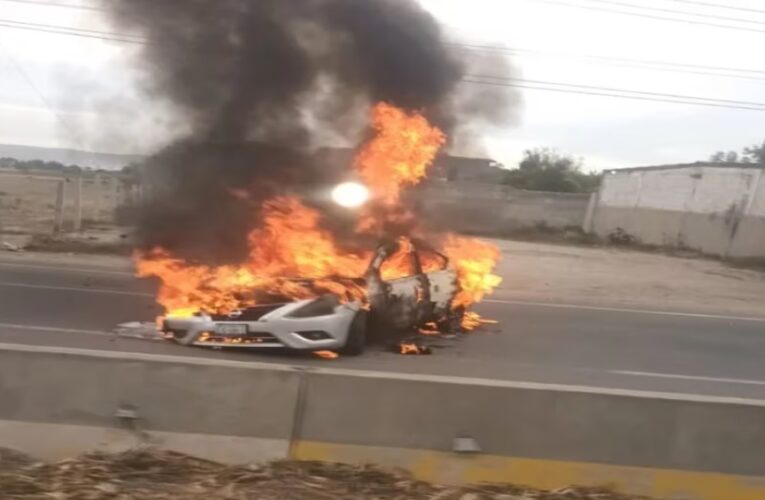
704 207
704 190
757 209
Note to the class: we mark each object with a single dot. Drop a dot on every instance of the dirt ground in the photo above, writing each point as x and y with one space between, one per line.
617 277
598 276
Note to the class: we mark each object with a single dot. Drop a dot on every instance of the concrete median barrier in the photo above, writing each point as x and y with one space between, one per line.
108 400
56 402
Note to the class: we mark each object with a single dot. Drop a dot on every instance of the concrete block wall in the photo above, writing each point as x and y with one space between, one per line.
495 210
58 402
749 238
28 201
718 210
101 196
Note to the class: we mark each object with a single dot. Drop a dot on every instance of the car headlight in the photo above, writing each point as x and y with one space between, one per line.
323 306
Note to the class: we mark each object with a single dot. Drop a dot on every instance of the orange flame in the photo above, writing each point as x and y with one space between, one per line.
412 349
472 320
289 246
291 255
474 261
398 156
400 264
326 354
400 153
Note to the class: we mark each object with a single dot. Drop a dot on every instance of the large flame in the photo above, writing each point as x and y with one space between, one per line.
474 260
287 250
291 255
400 153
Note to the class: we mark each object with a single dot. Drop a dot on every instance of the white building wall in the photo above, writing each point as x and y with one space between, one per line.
620 190
757 207
666 189
696 206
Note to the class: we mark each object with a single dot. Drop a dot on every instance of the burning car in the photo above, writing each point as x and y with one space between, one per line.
407 284
305 278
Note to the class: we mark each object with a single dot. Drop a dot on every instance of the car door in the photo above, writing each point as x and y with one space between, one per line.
440 279
398 290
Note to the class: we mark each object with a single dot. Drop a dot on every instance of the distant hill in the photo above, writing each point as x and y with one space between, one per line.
106 161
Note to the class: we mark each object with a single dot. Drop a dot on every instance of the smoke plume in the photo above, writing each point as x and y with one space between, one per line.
257 81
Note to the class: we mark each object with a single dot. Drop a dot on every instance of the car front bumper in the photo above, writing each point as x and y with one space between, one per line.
274 330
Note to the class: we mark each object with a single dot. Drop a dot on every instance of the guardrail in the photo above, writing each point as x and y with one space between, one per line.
56 402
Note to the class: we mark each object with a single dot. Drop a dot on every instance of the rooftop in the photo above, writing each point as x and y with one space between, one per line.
698 164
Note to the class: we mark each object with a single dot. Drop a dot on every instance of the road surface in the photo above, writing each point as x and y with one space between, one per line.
78 305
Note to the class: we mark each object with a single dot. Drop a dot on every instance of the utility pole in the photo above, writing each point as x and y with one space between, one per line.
77 225
58 225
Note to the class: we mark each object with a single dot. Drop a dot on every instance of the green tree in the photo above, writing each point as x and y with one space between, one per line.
544 169
728 157
755 153
751 154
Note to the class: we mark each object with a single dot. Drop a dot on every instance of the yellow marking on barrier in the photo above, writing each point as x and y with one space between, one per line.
450 468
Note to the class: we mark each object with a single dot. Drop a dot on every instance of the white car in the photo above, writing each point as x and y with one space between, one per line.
325 323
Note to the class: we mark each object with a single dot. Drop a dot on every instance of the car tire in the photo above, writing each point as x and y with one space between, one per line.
357 335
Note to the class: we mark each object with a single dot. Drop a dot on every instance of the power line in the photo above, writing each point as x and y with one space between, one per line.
25 76
66 28
719 6
637 61
498 81
606 94
674 11
71 32
54 4
611 94
695 69
651 16
612 89
128 38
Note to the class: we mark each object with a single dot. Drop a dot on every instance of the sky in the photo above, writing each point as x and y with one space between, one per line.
65 91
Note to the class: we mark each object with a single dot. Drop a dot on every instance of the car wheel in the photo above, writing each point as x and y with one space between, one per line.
357 335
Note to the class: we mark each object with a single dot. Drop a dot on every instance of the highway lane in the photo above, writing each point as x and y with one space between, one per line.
79 305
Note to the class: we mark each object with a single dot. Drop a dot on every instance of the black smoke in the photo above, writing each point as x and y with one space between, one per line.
256 81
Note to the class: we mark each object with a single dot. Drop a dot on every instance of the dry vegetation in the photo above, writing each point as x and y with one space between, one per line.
150 474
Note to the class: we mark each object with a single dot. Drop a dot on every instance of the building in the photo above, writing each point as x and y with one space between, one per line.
460 168
715 208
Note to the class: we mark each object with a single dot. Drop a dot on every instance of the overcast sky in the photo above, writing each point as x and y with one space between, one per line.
66 91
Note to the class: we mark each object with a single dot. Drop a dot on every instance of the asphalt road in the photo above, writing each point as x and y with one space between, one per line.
44 303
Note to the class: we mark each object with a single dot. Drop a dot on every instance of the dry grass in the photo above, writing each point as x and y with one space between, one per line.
150 474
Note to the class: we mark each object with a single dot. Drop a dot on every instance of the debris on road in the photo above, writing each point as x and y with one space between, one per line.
10 247
139 330
330 355
412 349
151 474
